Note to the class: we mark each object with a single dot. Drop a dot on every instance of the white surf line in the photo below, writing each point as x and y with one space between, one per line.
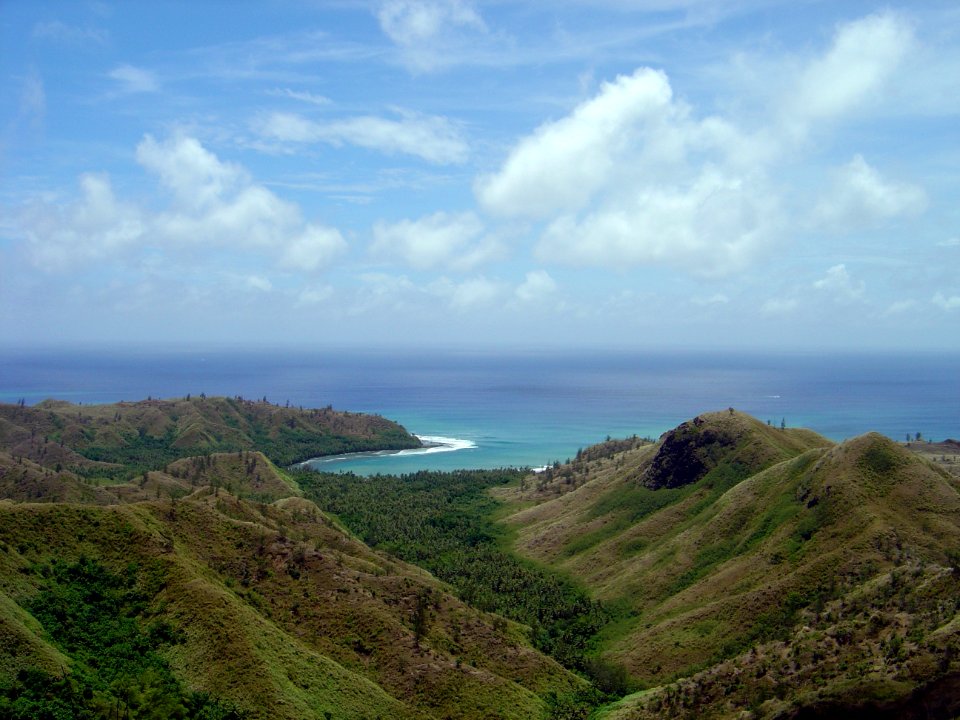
438 444
432 444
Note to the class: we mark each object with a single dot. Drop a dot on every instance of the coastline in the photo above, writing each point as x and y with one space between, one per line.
430 444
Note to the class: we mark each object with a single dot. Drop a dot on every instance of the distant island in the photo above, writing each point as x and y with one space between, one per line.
165 558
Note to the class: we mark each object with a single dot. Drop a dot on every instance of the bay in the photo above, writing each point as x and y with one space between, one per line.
521 409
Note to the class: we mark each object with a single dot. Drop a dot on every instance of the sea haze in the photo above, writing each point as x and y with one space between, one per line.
522 409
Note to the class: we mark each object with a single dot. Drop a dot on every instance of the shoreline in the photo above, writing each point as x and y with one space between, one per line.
430 444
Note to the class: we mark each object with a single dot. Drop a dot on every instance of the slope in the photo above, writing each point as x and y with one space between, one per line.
125 438
266 607
769 532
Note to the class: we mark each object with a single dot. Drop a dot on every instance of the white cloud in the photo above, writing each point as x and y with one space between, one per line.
435 139
779 306
900 306
135 80
214 205
859 64
860 197
61 32
564 163
950 242
536 285
381 291
476 292
838 282
33 97
715 299
630 177
711 227
301 95
258 282
314 295
197 178
96 225
947 303
447 240
423 30
317 247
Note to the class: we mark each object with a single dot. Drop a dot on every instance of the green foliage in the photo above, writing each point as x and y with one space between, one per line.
442 521
101 621
148 435
705 560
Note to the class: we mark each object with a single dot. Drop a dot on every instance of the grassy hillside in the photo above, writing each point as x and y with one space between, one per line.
730 540
122 439
263 609
731 569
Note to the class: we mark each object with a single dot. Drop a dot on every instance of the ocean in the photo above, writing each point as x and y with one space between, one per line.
522 409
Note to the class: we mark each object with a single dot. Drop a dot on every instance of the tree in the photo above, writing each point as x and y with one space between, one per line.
421 615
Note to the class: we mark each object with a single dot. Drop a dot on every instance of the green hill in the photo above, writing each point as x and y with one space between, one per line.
125 438
161 559
157 562
771 569
267 609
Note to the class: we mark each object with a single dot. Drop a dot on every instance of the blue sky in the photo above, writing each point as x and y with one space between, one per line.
618 174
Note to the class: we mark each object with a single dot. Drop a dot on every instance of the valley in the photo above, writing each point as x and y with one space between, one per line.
158 559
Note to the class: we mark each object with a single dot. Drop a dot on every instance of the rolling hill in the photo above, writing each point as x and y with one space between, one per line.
158 560
129 437
759 569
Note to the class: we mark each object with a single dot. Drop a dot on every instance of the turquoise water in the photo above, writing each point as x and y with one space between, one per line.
524 409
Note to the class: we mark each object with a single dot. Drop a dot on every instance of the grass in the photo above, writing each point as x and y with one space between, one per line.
277 613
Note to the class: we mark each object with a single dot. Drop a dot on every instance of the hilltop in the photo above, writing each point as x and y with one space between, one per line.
212 588
162 557
120 440
759 568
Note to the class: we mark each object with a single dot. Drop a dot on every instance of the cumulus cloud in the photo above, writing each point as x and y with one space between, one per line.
195 176
947 303
424 30
564 163
899 307
779 306
710 227
838 283
858 65
536 285
475 292
135 80
258 282
440 240
212 205
315 248
314 295
629 177
860 197
715 299
432 138
95 225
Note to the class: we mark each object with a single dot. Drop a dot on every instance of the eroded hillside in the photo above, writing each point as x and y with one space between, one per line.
730 540
268 608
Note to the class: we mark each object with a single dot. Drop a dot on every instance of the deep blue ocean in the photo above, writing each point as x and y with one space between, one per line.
523 409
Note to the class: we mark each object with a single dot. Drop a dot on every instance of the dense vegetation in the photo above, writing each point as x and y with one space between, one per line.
732 568
443 522
122 440
100 620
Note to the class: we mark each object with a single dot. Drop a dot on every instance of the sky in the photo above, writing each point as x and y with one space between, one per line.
633 174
